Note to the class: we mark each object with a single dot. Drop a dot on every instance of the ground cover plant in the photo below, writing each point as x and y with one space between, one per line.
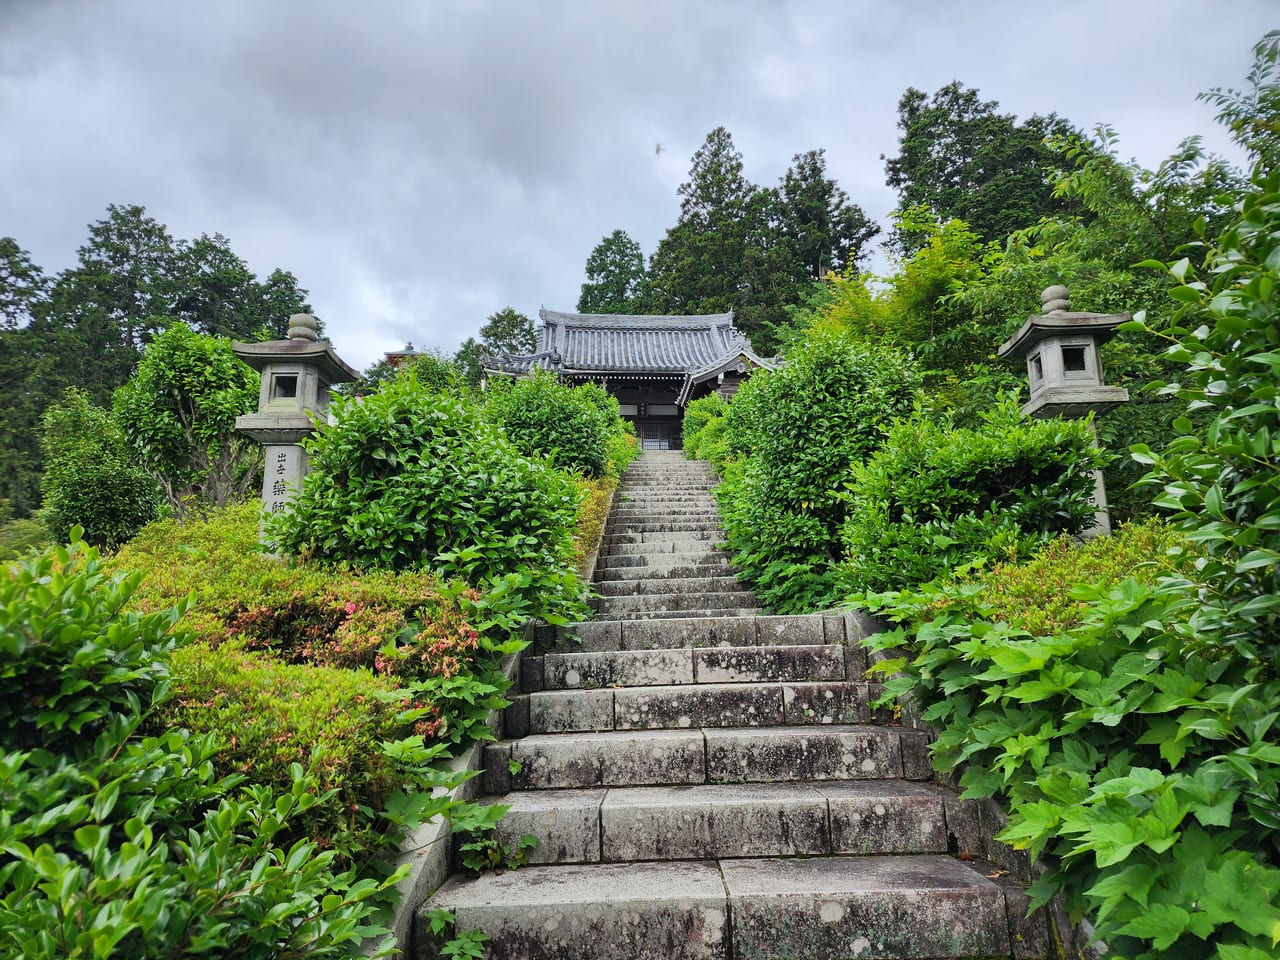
118 841
1131 730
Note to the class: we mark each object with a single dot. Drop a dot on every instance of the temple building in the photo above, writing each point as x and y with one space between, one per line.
654 365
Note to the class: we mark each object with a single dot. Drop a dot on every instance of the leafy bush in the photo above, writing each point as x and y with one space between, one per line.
178 412
118 844
74 656
1135 740
22 535
699 413
933 498
544 418
409 480
802 428
90 479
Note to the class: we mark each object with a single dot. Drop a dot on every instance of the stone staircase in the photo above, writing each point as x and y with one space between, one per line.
710 782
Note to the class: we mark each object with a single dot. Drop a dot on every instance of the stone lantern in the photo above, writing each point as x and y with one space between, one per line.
296 376
1064 365
1064 368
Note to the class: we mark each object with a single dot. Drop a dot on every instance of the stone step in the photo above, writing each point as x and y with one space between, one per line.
628 518
711 614
665 533
727 631
659 571
651 668
821 908
712 821
682 706
733 755
660 548
657 558
653 604
733 598
637 587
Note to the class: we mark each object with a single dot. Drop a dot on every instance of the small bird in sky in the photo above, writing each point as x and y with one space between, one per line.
658 148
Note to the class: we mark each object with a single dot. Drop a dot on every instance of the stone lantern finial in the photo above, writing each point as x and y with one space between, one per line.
303 326
1055 299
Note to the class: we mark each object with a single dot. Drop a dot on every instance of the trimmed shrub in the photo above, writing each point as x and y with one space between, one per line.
90 479
934 498
699 413
18 537
267 716
410 480
544 418
802 428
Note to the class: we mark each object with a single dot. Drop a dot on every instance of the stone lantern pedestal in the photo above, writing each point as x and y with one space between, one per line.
1064 369
296 376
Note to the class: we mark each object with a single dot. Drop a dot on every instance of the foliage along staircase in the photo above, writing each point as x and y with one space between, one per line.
709 782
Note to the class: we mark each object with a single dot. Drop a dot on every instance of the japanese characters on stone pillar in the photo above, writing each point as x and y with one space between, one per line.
1064 368
296 376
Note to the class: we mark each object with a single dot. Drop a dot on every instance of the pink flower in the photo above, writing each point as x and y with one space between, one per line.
351 608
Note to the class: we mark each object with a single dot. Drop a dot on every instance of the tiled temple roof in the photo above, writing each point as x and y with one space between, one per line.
593 343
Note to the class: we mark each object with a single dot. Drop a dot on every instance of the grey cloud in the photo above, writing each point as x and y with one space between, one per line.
420 165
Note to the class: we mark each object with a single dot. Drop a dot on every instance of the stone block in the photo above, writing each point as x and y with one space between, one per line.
744 664
515 718
800 629
637 668
885 816
698 705
609 759
497 771
697 822
685 632
531 674
594 635
570 711
802 753
916 764
909 906
566 823
824 702
604 911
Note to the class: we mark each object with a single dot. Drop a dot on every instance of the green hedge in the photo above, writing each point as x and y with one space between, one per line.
933 497
799 431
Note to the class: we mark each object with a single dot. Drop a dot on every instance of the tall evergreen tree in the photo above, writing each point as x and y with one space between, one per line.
615 276
826 231
960 158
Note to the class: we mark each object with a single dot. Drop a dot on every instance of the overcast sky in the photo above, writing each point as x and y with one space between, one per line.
420 164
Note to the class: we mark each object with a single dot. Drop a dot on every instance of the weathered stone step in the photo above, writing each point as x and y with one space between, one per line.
619 824
652 668
693 517
733 755
665 533
733 598
681 706
679 569
822 908
709 547
629 588
657 557
726 631
714 613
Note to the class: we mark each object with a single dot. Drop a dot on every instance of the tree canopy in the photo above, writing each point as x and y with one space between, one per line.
960 158
615 276
87 326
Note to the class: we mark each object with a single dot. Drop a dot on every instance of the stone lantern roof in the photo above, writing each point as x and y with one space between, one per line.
301 347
